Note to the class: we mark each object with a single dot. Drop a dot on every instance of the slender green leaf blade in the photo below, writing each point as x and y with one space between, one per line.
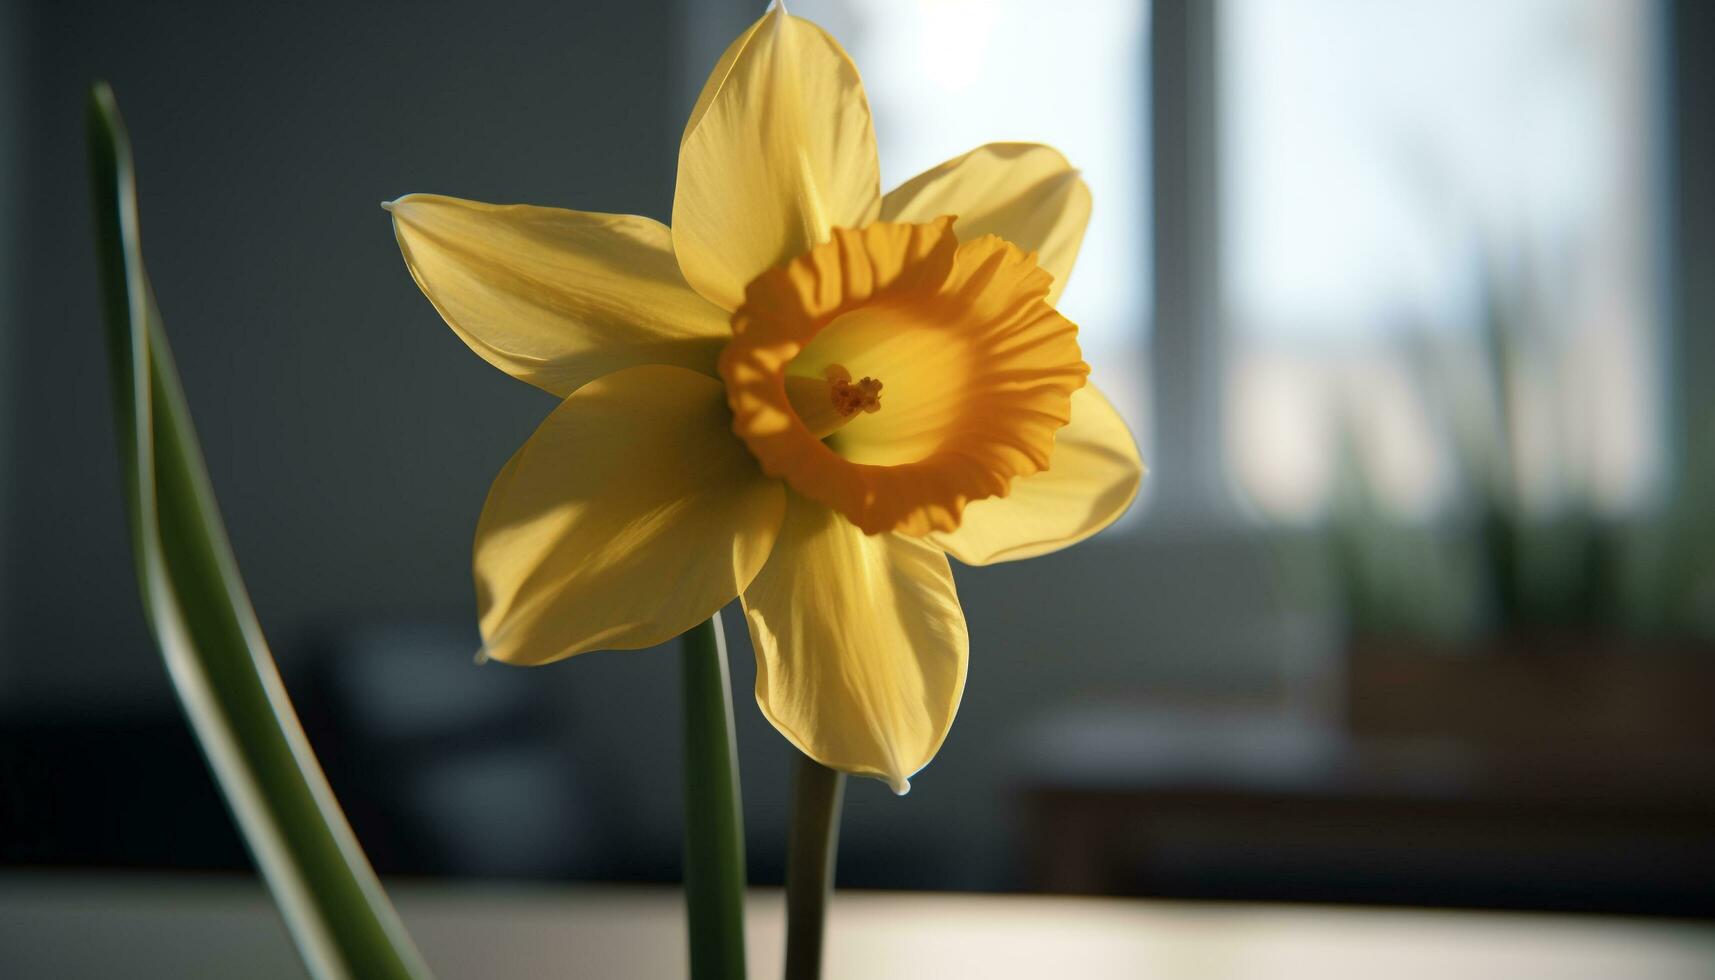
201 616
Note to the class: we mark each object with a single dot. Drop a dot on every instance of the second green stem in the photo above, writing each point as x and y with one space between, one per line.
811 847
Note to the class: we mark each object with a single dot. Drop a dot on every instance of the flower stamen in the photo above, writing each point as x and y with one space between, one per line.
849 398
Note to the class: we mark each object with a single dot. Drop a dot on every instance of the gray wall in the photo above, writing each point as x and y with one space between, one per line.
351 437
14 77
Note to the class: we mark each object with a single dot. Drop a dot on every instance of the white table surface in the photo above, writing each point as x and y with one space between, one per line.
62 925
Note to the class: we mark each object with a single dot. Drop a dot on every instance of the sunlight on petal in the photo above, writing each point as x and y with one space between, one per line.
630 516
556 297
778 151
1023 192
860 644
1093 478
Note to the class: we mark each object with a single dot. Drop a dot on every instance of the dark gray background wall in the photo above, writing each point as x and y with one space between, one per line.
351 437
344 433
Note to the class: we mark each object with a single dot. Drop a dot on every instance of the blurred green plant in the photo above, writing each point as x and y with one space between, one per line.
1497 565
200 614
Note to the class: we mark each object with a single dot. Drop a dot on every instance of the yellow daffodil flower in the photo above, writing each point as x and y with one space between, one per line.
805 394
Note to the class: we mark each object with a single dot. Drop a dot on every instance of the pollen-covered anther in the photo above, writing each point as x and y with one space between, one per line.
850 397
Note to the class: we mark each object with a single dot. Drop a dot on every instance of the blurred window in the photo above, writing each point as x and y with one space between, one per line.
945 76
1436 237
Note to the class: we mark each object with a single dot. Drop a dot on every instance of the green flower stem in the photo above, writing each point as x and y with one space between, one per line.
207 631
714 825
811 847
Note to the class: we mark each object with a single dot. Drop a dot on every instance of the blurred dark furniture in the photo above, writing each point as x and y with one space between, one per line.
441 769
1572 780
123 793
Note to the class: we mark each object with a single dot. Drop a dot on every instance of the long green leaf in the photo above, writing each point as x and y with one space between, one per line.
714 828
196 604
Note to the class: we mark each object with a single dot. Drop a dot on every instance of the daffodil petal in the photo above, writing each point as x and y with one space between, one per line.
556 297
860 644
1025 193
632 514
1092 478
778 150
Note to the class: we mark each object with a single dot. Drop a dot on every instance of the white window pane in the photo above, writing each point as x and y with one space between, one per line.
1403 178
